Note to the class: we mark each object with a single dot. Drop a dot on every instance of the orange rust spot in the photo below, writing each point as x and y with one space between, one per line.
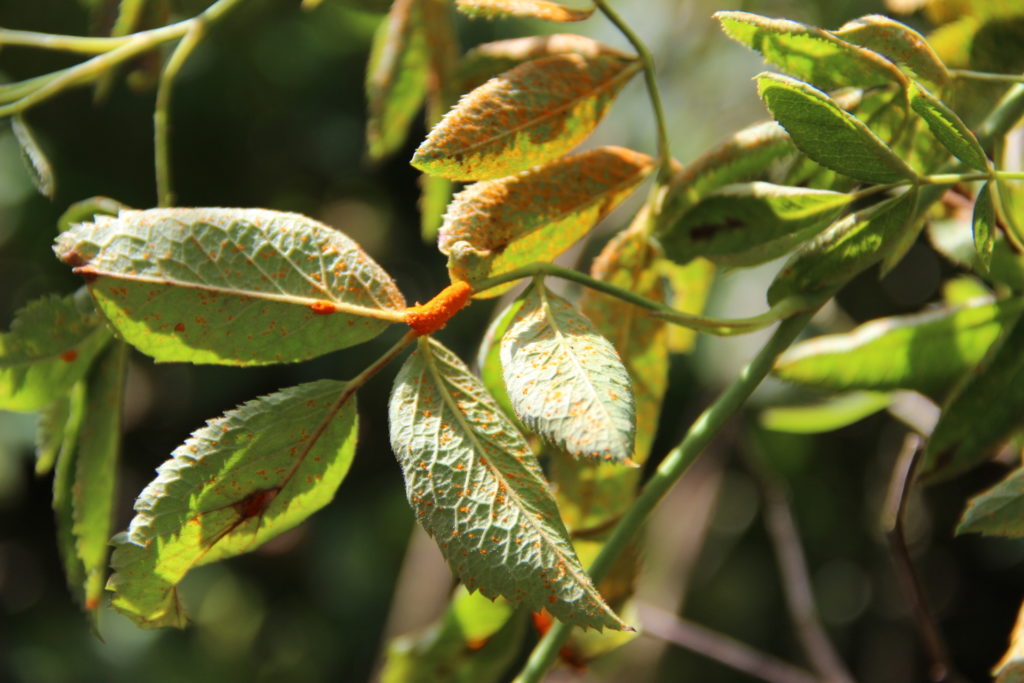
180 327
92 603
69 356
323 307
474 644
541 620
432 316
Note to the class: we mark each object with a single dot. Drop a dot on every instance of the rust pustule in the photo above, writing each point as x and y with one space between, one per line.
432 316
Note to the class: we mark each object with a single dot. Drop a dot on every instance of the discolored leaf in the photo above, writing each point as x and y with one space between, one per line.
566 381
1010 669
998 511
826 133
230 286
982 412
50 346
499 225
810 53
947 128
244 478
528 115
898 42
478 490
750 223
396 78
35 159
983 224
534 9
927 352
688 286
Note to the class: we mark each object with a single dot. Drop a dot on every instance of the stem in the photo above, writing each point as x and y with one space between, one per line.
161 113
665 168
700 434
986 76
86 45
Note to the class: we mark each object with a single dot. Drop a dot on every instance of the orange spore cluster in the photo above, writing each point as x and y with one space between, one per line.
323 307
432 316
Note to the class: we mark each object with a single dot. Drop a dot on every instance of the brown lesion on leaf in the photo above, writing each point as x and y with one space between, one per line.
708 230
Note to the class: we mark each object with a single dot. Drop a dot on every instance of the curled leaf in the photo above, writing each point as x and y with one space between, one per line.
35 159
534 9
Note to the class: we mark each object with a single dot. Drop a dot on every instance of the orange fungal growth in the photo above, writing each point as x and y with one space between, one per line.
432 316
69 356
323 307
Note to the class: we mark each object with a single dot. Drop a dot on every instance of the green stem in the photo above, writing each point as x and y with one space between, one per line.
664 478
986 76
85 45
665 169
161 113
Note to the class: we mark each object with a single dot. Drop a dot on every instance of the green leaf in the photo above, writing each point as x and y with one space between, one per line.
998 511
63 496
827 415
826 133
810 53
87 209
94 489
244 478
983 224
953 239
35 159
688 286
435 193
566 381
981 413
50 346
847 247
487 60
499 225
750 223
528 115
899 43
534 9
396 78
1010 669
947 128
927 352
230 286
488 358
50 433
478 490
1011 199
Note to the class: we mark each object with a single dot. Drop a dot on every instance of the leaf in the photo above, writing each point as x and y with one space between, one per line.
396 78
953 239
244 478
35 159
982 412
566 382
983 224
478 490
63 496
1010 669
810 53
999 511
827 415
926 352
847 247
534 9
750 223
230 286
947 128
435 193
528 115
826 133
49 347
688 288
490 59
899 43
1011 201
95 476
488 359
87 209
496 226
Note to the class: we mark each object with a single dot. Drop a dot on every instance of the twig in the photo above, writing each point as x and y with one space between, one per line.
719 647
162 113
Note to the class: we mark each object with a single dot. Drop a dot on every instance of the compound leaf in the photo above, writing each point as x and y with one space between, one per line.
230 286
899 43
983 225
478 490
528 115
998 511
50 346
947 128
498 225
245 477
826 133
535 9
566 381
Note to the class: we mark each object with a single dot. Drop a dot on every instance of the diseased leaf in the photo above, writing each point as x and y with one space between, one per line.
478 490
947 128
750 223
810 53
828 134
983 224
826 415
396 78
999 511
534 9
847 247
230 286
63 496
566 381
499 225
927 352
982 412
528 115
244 478
50 346
95 476
898 42
1010 669
688 287
35 159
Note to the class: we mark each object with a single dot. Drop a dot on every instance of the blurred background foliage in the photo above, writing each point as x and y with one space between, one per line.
270 112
